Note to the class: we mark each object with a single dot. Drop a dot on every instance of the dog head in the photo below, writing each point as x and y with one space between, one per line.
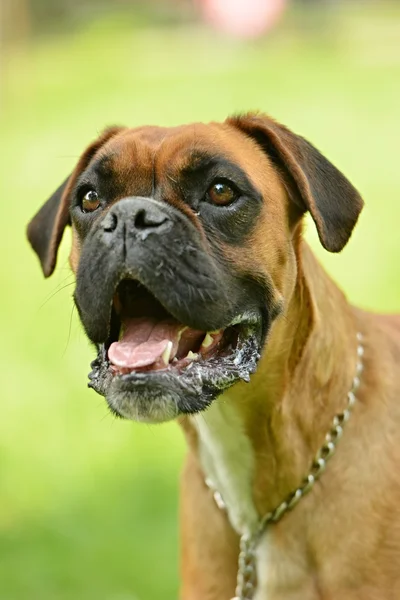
184 252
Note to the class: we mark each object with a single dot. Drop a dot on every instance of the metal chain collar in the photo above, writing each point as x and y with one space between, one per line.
247 568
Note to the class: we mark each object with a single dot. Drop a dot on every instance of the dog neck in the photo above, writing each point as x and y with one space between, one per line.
257 441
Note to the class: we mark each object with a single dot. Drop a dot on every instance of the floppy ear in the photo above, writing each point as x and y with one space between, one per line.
46 229
318 186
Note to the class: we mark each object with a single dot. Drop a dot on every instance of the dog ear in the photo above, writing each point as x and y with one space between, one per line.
46 229
318 186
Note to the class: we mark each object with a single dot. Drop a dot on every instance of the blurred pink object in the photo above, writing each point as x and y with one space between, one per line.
243 18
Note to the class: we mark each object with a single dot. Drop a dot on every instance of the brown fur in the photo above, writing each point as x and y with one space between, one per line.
342 542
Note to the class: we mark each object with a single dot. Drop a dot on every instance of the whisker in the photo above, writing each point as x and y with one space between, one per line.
107 415
58 286
69 330
54 293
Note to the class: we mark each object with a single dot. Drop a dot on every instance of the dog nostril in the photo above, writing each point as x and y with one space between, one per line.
144 220
110 222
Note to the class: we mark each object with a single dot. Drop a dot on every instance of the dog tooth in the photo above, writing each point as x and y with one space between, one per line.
167 353
181 331
208 340
192 355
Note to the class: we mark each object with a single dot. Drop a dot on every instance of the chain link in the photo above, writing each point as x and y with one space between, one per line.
247 568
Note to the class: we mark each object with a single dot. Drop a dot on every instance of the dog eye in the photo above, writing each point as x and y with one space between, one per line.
90 201
222 193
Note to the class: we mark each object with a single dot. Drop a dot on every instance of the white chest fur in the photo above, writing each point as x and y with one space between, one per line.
227 458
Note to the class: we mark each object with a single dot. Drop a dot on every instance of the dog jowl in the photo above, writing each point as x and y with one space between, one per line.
184 250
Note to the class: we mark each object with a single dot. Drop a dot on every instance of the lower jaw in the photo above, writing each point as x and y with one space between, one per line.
163 395
143 404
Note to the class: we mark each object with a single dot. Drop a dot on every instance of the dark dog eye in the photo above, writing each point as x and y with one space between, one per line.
222 193
90 201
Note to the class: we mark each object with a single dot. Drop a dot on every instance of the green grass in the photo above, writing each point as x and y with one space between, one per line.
88 505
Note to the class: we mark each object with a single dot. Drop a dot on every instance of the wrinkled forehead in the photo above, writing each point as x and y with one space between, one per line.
173 150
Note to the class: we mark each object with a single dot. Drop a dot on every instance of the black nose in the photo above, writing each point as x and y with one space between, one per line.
137 215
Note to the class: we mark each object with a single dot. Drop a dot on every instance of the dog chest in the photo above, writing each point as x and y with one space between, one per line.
228 462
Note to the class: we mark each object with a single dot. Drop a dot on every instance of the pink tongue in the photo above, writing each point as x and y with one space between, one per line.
143 343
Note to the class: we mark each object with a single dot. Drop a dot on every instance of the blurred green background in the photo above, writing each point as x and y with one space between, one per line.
88 504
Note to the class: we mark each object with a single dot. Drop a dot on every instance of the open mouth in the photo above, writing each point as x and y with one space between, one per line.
151 355
150 339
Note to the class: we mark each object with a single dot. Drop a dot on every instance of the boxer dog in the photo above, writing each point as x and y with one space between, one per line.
205 305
